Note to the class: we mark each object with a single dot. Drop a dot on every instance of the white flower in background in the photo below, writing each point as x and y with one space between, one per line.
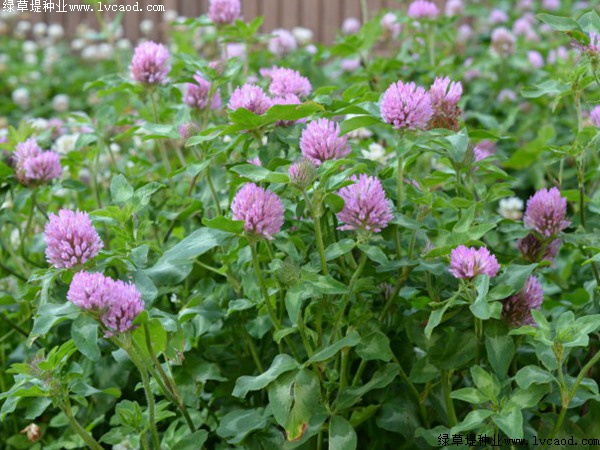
60 103
375 153
56 31
38 124
146 27
511 208
77 44
21 97
311 49
39 29
51 56
61 192
124 44
66 143
115 148
303 35
23 27
29 47
30 59
170 16
105 51
35 76
89 53
15 238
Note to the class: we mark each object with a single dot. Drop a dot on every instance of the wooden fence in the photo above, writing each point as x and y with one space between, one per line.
324 17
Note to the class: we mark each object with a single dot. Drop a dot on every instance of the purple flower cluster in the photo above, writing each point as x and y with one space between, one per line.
71 239
286 81
595 116
445 95
468 262
150 63
390 25
261 210
282 42
406 106
321 141
484 149
250 97
546 212
534 250
117 303
196 94
423 9
366 207
34 166
224 11
503 42
516 310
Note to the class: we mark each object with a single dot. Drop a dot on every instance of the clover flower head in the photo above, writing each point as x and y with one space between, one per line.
468 262
71 239
286 81
250 97
260 210
406 106
223 12
516 310
321 141
150 63
196 94
366 206
423 9
546 212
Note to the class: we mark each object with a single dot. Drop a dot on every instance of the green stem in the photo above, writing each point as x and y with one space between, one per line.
82 432
431 45
565 404
414 391
318 231
265 293
148 392
357 273
213 192
253 350
167 380
161 145
447 387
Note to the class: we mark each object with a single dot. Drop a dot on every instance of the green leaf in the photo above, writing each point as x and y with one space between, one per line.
281 364
374 253
224 224
350 340
142 196
194 441
307 405
559 23
485 382
354 123
175 264
529 375
236 425
340 248
511 280
280 397
470 395
382 378
120 190
258 173
511 422
500 349
325 284
480 307
473 420
335 202
548 87
375 346
528 398
341 434
49 315
590 22
84 332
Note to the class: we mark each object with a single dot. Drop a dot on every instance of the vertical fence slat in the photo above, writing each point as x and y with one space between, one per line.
324 17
